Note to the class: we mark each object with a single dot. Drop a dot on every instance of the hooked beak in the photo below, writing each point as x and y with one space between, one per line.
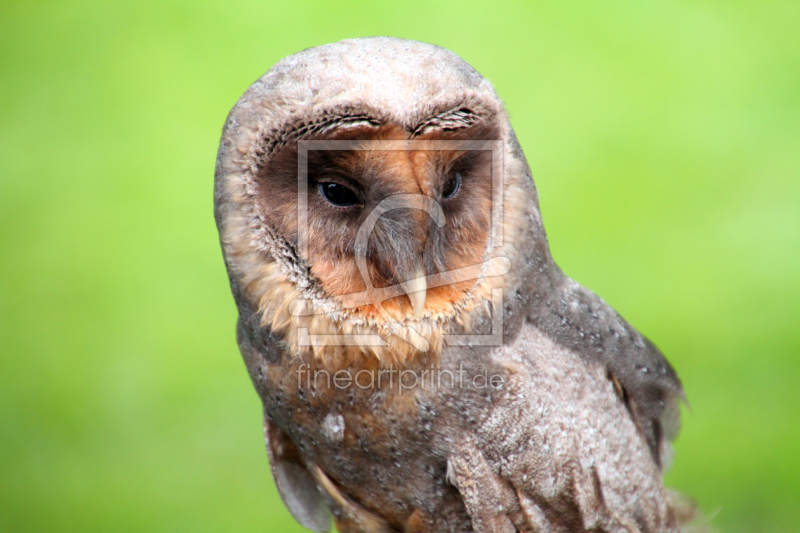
416 289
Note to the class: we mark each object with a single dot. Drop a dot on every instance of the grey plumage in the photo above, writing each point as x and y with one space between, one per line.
572 441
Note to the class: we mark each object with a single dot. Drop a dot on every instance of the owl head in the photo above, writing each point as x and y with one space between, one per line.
371 197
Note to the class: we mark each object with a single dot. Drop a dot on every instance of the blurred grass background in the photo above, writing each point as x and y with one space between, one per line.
665 141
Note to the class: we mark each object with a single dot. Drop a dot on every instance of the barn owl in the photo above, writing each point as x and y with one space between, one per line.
423 364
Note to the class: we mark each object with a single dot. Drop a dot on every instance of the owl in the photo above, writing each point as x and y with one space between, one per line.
423 364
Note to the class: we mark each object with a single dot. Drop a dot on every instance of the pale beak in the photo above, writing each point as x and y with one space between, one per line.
417 289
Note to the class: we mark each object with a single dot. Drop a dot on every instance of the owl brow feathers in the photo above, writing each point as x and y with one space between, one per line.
292 131
451 119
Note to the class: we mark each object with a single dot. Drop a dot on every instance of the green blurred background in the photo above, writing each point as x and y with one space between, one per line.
665 141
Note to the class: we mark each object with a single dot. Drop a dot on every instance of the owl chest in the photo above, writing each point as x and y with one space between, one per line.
386 443
356 410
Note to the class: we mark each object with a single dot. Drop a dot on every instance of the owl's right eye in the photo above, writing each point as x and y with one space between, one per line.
338 195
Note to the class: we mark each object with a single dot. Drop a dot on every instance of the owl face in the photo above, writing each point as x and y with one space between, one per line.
344 189
367 234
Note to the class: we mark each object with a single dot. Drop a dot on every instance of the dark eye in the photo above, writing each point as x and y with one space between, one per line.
451 187
338 195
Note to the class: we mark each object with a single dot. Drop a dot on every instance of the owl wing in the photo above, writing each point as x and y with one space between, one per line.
490 500
296 485
306 491
309 494
496 505
579 320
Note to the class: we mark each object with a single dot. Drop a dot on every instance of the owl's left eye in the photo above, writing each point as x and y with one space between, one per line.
338 195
